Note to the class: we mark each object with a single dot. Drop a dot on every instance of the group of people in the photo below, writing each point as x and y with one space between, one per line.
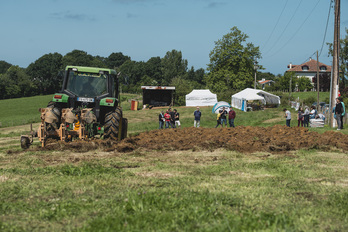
222 117
171 118
303 116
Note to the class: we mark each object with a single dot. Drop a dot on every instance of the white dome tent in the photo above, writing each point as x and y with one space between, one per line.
239 100
201 97
218 106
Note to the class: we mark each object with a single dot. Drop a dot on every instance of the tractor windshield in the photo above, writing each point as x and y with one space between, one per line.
85 84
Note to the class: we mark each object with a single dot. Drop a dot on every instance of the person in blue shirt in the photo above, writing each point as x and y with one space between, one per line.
197 115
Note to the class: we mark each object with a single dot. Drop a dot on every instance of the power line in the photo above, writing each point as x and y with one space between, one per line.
309 57
276 24
297 30
293 15
327 23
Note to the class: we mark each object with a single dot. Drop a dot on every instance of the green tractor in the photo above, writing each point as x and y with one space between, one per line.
86 107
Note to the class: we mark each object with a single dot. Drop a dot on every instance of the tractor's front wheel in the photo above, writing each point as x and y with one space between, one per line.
112 124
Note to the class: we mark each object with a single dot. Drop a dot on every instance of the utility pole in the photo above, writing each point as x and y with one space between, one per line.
290 89
318 80
335 62
255 67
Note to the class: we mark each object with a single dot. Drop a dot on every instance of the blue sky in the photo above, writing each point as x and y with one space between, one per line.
286 30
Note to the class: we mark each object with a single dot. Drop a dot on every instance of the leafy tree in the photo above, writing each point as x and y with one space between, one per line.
16 83
231 62
266 76
44 73
282 83
115 60
199 76
131 74
4 66
196 76
173 65
303 84
146 80
324 82
81 58
182 88
154 69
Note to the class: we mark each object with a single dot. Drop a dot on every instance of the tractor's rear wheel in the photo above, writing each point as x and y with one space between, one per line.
112 124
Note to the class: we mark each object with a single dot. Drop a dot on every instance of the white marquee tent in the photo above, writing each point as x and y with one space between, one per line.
239 100
201 97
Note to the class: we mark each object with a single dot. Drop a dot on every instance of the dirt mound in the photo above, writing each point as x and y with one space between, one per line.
242 139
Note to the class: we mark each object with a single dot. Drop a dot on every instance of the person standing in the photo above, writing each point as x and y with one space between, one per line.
300 117
344 111
176 117
161 120
223 117
306 117
172 118
287 117
218 119
231 117
339 112
197 114
167 118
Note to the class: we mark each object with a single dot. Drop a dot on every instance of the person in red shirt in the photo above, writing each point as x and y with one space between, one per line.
231 117
167 117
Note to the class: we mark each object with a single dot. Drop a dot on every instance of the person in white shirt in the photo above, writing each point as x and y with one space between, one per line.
287 116
306 117
313 112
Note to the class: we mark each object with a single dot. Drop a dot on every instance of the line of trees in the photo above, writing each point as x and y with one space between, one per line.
44 76
231 68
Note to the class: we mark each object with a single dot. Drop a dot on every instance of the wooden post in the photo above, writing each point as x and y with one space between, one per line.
317 80
335 62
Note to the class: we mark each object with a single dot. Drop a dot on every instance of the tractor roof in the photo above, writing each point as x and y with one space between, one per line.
91 69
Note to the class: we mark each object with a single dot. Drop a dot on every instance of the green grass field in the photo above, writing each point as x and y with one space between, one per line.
173 191
20 111
57 190
323 96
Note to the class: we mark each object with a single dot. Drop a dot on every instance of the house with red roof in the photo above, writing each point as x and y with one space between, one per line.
309 69
263 83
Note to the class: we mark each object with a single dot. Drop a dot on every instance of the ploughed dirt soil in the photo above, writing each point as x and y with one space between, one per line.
276 139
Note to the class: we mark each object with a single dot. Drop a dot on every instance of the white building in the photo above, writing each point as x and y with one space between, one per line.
309 69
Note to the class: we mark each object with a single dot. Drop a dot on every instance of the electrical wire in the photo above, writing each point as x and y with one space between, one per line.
269 37
297 30
327 23
286 27
309 57
322 45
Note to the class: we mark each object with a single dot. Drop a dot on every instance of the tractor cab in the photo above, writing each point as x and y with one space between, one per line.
88 86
